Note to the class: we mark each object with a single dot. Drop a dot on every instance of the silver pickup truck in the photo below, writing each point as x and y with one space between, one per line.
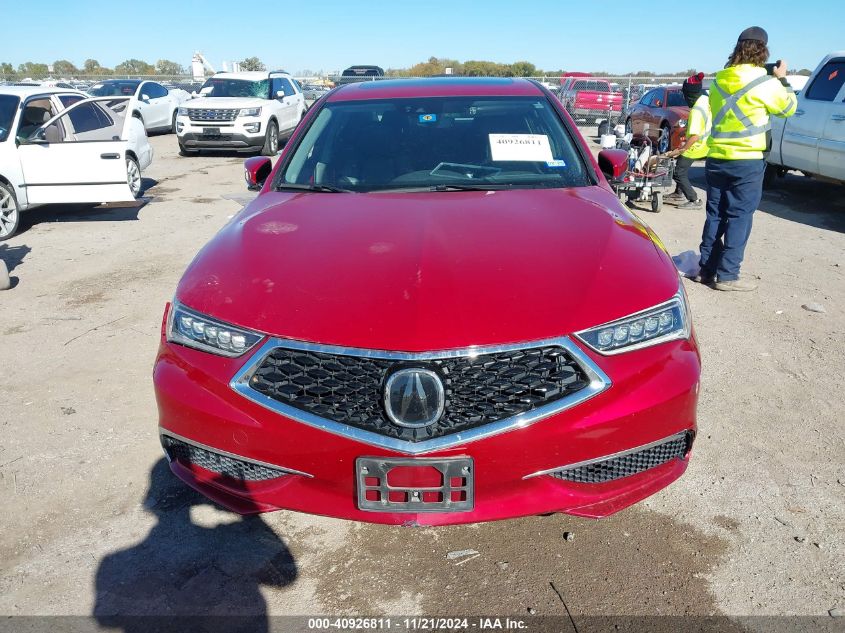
813 139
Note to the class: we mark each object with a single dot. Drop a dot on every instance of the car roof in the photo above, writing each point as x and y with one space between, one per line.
251 75
122 81
437 87
26 91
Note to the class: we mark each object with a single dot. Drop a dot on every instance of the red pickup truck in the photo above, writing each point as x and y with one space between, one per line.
589 99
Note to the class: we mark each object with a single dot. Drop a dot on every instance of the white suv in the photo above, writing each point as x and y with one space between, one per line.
245 111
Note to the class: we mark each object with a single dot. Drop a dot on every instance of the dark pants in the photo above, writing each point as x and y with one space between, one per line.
734 190
681 178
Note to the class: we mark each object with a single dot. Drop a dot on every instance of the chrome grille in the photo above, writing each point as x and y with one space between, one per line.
627 464
212 114
480 389
189 455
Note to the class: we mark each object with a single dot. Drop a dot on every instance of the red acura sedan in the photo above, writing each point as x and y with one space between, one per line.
435 311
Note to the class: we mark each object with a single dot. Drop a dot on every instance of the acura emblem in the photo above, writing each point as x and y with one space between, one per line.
414 398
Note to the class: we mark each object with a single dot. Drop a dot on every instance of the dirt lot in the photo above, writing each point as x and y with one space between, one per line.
93 522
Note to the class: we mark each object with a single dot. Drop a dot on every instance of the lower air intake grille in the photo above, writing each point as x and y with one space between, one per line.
628 464
189 455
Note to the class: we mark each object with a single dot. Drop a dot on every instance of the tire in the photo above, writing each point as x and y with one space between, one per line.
271 140
173 123
657 201
133 176
10 212
664 141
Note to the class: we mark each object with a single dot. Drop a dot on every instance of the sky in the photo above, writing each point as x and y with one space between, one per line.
330 35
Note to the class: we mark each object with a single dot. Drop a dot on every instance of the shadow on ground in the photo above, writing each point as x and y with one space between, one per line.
797 198
13 255
109 212
635 563
183 569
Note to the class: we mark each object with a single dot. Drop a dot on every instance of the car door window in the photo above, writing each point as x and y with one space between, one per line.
69 100
649 98
675 98
36 112
85 122
154 90
828 82
284 85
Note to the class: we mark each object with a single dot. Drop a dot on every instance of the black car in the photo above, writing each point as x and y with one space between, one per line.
354 74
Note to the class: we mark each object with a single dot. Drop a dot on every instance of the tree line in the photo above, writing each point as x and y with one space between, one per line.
91 67
437 66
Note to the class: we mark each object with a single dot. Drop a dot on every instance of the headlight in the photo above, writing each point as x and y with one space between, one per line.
181 111
250 112
192 329
668 321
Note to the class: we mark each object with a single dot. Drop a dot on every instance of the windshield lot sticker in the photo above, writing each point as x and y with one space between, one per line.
556 163
520 147
428 118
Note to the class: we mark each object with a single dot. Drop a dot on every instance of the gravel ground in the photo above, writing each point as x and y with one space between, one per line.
94 523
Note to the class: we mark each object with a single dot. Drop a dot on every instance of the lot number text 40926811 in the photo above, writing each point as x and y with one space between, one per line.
482 624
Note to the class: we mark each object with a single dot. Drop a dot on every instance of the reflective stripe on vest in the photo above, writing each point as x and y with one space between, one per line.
708 124
732 105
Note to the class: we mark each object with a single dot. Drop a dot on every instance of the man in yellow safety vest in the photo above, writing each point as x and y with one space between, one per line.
742 98
694 146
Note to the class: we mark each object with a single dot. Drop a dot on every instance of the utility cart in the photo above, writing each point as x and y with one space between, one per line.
649 175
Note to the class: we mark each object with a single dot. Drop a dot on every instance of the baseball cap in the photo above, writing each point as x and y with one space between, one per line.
754 33
695 79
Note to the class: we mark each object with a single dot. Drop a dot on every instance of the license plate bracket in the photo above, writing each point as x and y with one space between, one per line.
211 131
379 492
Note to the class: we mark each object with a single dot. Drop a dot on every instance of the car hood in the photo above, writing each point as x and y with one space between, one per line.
429 271
225 102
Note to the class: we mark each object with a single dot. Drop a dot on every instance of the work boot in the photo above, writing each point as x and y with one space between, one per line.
691 204
704 278
736 285
675 196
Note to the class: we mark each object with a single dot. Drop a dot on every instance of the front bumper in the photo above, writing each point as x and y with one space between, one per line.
515 473
232 135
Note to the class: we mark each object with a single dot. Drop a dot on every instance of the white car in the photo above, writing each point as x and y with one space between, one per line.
247 111
813 139
57 146
155 105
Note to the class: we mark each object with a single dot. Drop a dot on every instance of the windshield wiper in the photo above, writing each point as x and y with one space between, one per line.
291 186
457 187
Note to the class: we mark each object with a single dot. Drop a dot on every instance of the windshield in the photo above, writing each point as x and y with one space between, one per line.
8 107
436 143
236 88
114 89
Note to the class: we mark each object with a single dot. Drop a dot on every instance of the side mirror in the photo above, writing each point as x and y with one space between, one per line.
256 171
280 94
145 98
613 163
